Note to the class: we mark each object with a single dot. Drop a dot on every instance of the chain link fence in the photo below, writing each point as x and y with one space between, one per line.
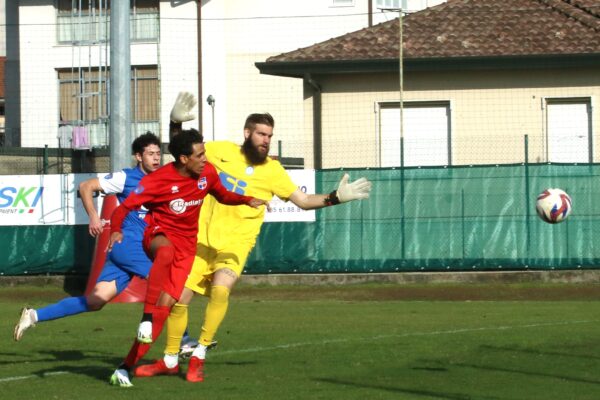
445 118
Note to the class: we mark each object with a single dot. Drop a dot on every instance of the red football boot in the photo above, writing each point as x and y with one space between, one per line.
195 372
157 368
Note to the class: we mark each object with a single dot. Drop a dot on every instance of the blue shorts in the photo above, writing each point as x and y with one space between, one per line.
125 260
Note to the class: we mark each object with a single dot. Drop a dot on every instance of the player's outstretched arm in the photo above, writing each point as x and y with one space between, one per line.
86 191
345 192
256 203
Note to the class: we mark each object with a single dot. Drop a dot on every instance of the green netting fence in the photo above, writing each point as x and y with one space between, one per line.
469 218
437 219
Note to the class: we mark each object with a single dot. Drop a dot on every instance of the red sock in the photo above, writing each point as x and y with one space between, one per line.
159 317
149 308
139 350
159 272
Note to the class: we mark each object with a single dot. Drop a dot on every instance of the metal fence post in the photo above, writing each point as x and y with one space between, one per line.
45 160
527 197
402 228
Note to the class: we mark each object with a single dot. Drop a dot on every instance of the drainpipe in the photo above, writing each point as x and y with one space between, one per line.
370 13
199 34
317 128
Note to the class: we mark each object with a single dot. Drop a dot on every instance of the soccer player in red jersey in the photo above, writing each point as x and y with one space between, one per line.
173 194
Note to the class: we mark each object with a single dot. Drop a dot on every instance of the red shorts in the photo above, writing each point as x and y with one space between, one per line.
168 278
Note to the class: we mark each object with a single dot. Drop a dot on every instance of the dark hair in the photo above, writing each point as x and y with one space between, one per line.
143 141
182 144
253 119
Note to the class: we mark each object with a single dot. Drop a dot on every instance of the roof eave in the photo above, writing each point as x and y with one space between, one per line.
298 69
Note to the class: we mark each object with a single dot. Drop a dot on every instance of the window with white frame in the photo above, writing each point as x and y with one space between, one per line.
569 130
390 4
342 3
87 21
426 134
407 5
83 100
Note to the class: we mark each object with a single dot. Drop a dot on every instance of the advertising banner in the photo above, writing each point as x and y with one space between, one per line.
282 211
54 200
41 199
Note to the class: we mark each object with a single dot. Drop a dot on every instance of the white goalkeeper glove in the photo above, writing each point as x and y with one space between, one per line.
357 190
182 109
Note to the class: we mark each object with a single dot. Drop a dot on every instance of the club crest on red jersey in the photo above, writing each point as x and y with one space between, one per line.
202 183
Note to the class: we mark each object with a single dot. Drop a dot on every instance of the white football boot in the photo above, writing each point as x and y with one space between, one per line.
120 378
188 345
27 320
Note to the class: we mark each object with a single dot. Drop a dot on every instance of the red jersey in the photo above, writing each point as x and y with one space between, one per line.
174 201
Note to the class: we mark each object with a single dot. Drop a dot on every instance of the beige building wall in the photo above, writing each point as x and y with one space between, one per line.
491 112
249 92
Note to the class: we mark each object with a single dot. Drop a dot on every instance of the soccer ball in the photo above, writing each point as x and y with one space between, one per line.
553 205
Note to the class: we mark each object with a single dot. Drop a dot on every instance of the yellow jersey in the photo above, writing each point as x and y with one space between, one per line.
221 225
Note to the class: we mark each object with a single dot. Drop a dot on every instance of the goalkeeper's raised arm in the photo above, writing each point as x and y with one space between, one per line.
181 112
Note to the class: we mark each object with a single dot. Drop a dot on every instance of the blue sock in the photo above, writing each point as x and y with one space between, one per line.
64 308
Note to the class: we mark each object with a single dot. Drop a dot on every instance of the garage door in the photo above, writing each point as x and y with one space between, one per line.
426 134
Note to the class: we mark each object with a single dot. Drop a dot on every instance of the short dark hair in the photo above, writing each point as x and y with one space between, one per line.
253 119
143 141
182 144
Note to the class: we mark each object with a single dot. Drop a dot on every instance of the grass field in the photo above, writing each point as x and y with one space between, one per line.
356 342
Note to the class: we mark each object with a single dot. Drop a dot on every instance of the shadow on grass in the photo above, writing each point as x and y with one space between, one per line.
539 352
100 373
528 373
400 390
438 364
61 359
236 363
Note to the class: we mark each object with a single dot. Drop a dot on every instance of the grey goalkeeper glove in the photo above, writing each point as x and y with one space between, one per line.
348 191
182 109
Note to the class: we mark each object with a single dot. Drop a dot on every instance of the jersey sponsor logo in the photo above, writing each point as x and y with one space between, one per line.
109 176
142 212
139 189
202 183
233 184
178 206
15 200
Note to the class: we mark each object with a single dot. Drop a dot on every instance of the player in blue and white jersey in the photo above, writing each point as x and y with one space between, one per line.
126 258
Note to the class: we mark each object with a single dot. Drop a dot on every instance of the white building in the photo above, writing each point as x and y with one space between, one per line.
58 62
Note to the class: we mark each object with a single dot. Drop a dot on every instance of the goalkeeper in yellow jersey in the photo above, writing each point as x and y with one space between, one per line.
227 234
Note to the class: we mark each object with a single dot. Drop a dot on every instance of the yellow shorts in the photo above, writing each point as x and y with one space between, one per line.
209 260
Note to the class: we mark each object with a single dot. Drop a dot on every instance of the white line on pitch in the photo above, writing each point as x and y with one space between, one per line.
400 335
20 378
328 341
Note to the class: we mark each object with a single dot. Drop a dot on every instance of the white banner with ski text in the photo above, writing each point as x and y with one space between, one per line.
54 200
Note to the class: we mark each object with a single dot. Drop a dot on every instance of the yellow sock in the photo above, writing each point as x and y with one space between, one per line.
176 324
215 312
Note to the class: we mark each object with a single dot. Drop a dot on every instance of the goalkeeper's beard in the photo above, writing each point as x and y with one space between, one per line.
252 153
